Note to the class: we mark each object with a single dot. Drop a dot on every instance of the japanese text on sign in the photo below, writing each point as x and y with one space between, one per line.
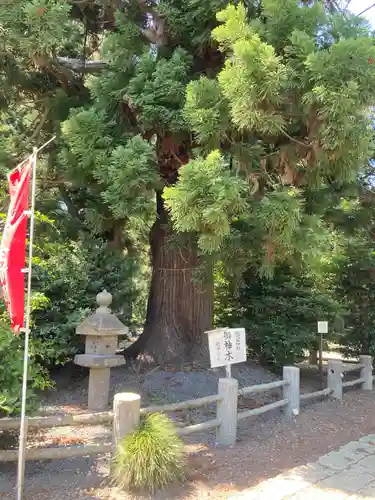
227 346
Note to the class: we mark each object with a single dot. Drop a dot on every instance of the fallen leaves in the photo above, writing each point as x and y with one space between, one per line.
67 440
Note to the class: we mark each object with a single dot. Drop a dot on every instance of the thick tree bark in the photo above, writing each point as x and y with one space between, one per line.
179 308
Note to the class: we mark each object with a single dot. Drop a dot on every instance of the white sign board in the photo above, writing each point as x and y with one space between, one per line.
322 326
227 346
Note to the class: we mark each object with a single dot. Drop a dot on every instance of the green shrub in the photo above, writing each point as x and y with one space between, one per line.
279 314
150 458
356 287
11 371
68 277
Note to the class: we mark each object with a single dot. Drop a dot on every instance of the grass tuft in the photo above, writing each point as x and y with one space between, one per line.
151 457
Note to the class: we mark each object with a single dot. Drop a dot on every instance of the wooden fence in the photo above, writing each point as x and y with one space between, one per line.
337 370
127 410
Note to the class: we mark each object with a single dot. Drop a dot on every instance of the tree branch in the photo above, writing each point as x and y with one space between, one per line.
82 66
296 141
366 10
39 127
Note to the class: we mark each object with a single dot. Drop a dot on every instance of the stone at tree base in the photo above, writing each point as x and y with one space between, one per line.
102 330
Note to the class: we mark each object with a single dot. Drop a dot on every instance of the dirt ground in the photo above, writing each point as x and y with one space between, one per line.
265 447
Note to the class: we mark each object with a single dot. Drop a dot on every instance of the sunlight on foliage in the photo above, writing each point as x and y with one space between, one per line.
206 110
206 199
252 76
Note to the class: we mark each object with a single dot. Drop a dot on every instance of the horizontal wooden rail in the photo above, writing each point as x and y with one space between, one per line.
184 405
262 387
204 426
263 409
325 358
350 383
105 417
56 453
352 368
316 394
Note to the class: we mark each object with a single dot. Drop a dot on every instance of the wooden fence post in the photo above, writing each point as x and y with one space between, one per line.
226 433
291 391
126 414
334 378
313 357
366 372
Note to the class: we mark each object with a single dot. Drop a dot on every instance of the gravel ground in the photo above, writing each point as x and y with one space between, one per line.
266 445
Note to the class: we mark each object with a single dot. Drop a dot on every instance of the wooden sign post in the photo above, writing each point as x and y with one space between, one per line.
227 346
322 329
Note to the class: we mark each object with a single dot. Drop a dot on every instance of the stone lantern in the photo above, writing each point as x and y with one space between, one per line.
102 330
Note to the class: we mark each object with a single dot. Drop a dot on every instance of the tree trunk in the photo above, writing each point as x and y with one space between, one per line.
179 308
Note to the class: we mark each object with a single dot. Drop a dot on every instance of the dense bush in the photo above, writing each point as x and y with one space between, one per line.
11 369
280 314
356 288
68 278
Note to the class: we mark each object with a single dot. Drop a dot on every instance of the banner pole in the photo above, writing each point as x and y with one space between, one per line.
23 425
39 149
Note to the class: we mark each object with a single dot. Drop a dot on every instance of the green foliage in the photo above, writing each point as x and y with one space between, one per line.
279 315
46 18
150 458
38 27
355 286
190 23
281 212
206 198
206 110
68 278
88 143
253 76
250 120
158 91
130 177
11 363
287 123
287 17
123 174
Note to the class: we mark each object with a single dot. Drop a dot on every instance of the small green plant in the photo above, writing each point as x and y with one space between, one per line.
150 458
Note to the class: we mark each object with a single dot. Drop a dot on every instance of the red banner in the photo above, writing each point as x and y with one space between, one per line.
13 245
